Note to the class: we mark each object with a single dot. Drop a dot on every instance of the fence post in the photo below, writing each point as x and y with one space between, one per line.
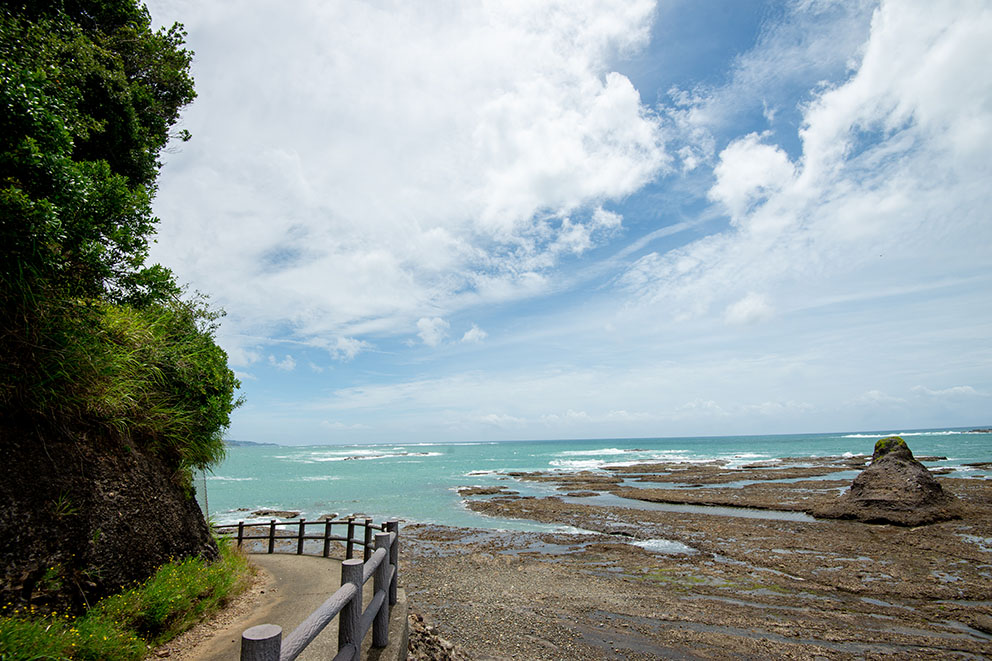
241 532
299 543
327 537
394 556
261 643
272 535
351 615
368 540
380 625
350 549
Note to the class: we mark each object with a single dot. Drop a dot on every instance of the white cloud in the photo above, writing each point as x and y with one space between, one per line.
397 158
893 167
606 219
749 172
954 392
287 364
343 348
812 42
879 398
777 408
501 420
238 354
698 407
752 308
474 335
433 330
406 165
341 426
576 402
568 417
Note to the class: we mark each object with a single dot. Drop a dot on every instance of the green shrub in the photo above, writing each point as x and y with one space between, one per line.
157 377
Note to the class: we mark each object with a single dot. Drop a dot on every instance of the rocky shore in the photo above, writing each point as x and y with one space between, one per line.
706 561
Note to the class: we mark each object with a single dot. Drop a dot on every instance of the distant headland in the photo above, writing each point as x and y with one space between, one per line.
240 444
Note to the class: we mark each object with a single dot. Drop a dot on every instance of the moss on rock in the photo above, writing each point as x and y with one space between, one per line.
892 445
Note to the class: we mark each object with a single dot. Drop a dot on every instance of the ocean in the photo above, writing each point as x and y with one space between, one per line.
418 482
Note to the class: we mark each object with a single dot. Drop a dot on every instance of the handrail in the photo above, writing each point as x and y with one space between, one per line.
304 634
264 642
301 536
373 563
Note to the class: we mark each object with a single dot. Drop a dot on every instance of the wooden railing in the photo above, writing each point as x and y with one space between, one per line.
264 642
282 531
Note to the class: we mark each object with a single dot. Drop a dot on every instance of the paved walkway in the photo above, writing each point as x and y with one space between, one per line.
297 585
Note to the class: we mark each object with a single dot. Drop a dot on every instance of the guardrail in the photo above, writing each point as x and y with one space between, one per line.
264 642
281 531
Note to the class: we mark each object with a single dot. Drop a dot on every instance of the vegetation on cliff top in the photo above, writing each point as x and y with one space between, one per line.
95 340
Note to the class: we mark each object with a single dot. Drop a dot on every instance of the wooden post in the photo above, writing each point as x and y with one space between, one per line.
394 555
261 643
327 537
368 540
350 549
241 532
349 621
380 582
299 543
272 535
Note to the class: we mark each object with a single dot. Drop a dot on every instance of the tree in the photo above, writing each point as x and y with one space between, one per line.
90 95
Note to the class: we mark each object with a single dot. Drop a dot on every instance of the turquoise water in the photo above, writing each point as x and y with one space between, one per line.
418 482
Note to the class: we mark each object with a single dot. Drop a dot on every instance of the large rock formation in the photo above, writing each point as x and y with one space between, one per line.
895 488
84 516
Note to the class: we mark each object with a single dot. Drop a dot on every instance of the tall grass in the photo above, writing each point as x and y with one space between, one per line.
122 627
151 376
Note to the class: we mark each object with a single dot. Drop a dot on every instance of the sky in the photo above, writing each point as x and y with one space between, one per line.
500 219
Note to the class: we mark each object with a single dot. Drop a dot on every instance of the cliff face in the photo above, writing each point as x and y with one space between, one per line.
83 517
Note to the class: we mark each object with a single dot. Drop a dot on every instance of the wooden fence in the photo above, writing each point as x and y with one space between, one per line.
381 563
283 531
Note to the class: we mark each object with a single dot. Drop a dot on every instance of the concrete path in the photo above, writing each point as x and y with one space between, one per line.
297 585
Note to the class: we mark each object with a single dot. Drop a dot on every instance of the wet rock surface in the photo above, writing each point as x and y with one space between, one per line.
626 582
426 644
485 491
276 514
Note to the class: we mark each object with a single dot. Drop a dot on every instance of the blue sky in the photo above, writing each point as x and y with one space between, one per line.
519 220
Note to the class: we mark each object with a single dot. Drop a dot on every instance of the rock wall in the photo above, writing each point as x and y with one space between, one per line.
86 515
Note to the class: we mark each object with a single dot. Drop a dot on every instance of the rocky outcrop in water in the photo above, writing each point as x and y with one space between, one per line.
895 488
279 514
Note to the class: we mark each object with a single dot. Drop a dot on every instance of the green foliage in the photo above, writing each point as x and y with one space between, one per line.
63 506
92 336
120 627
87 112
